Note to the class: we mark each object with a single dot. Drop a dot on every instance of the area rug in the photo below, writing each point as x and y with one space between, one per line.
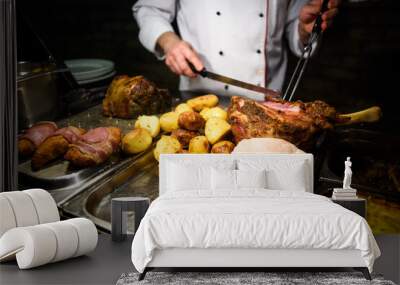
244 278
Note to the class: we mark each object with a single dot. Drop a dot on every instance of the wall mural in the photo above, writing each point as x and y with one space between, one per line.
352 76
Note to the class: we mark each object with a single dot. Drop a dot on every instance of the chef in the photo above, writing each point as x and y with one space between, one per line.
244 40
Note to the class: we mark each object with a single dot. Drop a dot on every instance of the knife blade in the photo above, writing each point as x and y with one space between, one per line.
231 81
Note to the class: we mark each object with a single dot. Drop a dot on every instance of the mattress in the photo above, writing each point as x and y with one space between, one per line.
250 219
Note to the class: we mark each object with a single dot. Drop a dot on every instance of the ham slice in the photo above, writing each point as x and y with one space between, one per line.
71 134
39 132
94 147
34 136
96 135
55 146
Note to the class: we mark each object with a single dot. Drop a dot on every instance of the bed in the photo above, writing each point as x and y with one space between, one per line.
246 211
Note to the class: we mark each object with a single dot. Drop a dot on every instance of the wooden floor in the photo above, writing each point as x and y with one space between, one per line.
111 259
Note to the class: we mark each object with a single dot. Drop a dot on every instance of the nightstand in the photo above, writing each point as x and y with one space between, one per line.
357 205
120 207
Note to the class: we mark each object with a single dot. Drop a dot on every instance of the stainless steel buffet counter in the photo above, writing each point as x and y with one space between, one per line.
87 192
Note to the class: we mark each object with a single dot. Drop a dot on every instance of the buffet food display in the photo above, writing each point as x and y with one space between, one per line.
112 149
199 125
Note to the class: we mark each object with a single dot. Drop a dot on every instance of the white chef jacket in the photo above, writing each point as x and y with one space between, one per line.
237 38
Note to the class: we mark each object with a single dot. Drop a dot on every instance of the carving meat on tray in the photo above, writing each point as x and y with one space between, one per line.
94 147
34 136
128 97
296 122
55 146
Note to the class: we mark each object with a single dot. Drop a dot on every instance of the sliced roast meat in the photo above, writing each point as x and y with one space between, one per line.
39 132
94 147
34 136
55 146
96 135
71 134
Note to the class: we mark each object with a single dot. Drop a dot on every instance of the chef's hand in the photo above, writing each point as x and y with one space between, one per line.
178 53
309 13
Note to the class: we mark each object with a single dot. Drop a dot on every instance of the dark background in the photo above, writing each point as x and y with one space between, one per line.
357 65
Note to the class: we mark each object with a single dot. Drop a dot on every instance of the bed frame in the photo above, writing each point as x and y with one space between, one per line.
246 258
242 259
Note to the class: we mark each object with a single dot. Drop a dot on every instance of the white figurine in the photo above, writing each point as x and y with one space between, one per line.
347 192
347 174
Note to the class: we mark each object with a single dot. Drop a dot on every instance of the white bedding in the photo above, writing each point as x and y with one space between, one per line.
250 219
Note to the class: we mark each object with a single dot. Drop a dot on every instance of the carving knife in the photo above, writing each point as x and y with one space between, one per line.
227 80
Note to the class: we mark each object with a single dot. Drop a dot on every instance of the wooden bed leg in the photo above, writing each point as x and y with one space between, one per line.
143 274
364 271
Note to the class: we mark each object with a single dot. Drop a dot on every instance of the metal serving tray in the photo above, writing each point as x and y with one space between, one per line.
88 192
59 175
137 177
64 180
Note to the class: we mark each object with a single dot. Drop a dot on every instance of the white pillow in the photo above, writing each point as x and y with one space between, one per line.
284 174
202 160
226 179
183 177
292 177
251 178
223 179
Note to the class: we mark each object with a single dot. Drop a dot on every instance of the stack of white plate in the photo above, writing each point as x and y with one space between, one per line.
90 70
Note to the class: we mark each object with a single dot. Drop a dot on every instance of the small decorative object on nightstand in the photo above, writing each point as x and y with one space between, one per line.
347 192
357 205
119 212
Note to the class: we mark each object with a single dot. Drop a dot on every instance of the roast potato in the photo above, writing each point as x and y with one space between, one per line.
150 123
166 144
183 136
201 102
136 141
217 112
199 144
183 107
223 147
169 121
204 113
191 121
216 129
